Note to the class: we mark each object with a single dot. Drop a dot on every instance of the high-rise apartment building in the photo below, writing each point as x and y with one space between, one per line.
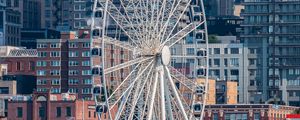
271 32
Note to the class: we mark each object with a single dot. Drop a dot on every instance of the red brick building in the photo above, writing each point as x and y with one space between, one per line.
19 61
247 112
46 106
65 65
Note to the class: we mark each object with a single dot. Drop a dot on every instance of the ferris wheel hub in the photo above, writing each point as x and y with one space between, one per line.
165 55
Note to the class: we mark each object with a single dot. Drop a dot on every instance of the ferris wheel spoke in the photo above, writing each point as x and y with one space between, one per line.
126 64
121 21
139 92
177 97
182 33
175 15
150 115
118 43
132 83
121 85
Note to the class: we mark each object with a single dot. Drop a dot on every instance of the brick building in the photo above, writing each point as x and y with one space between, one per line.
247 112
46 106
18 60
64 65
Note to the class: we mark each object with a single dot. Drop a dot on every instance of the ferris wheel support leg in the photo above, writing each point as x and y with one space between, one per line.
176 94
162 93
149 116
168 102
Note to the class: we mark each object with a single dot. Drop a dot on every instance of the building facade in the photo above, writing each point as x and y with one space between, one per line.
219 7
227 62
271 32
65 65
247 112
51 107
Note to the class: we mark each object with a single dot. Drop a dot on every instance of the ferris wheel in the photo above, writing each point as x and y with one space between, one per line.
135 74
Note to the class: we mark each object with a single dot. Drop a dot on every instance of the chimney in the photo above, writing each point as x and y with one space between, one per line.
68 35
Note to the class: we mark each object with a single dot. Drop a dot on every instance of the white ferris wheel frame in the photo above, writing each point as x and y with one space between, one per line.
160 65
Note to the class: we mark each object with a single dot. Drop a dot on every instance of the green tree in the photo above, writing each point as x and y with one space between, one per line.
213 39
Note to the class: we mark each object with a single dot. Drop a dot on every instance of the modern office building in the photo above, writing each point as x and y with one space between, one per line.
10 26
227 61
271 33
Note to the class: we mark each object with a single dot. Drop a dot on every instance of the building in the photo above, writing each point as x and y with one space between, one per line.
18 60
219 7
64 65
226 92
10 25
224 25
50 106
227 62
29 36
271 33
247 112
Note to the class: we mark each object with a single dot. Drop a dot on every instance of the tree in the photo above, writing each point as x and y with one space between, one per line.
297 111
213 39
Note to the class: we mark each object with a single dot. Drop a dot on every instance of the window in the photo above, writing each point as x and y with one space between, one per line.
41 82
86 45
55 54
251 61
47 13
55 82
42 54
87 81
58 111
73 72
73 54
234 50
73 45
73 90
217 62
225 50
20 112
256 116
215 116
41 63
55 45
19 66
4 90
41 45
73 81
55 90
234 62
86 72
190 51
73 63
42 112
32 65
41 73
68 111
86 91
225 62
86 54
216 50
55 72
234 72
55 63
86 63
